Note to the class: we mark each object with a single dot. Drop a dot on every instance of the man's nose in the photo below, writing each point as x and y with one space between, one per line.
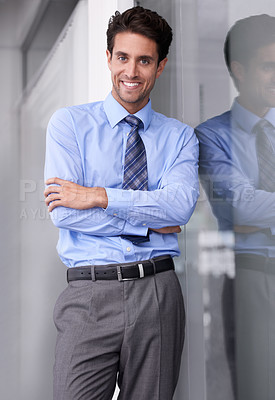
131 69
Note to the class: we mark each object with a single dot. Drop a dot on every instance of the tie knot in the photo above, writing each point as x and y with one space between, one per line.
264 126
132 120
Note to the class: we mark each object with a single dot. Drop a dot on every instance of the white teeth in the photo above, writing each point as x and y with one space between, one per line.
130 84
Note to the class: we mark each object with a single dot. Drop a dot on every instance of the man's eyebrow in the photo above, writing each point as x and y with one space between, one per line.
146 58
142 57
120 53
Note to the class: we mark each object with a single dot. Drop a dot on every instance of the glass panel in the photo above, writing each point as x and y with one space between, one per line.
215 264
229 351
238 320
177 95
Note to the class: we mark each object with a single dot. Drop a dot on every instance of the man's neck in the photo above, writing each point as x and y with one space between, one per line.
132 108
256 109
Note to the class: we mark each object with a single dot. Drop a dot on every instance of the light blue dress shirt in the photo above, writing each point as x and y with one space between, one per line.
86 144
230 174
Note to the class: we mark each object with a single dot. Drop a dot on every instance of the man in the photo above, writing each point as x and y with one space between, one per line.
237 167
118 189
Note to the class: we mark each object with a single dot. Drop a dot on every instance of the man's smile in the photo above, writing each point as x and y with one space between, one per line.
130 85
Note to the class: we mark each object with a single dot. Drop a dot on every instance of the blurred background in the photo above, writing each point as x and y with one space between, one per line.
52 54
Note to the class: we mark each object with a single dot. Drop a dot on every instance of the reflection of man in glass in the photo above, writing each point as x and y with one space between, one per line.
237 166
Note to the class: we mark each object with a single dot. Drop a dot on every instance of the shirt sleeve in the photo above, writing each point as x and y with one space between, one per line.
232 195
172 203
63 160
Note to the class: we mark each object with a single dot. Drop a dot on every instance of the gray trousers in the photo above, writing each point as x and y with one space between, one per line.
108 331
255 327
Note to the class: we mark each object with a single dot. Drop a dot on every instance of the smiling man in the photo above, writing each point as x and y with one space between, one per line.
121 179
134 74
237 166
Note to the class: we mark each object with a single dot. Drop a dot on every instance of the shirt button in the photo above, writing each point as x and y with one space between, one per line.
115 214
128 249
144 224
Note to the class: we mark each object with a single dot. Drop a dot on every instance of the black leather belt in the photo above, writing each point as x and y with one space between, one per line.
121 272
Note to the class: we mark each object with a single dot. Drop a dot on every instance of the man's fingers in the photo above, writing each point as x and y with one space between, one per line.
51 189
175 229
246 229
52 197
55 180
55 203
168 229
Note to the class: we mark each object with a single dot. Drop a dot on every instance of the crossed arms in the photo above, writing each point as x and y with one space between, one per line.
100 210
71 195
233 196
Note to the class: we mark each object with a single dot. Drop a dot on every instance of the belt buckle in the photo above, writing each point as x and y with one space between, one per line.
121 279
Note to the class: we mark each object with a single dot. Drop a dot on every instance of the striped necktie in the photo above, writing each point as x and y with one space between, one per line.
135 168
135 165
266 155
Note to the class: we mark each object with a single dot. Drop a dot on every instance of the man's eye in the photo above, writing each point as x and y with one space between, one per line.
269 68
121 58
144 62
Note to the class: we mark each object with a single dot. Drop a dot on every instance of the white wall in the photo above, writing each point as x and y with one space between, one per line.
63 81
11 86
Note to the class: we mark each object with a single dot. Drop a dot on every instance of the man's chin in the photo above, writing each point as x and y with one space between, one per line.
130 99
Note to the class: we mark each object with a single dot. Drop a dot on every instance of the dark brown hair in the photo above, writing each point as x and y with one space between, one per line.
246 36
144 22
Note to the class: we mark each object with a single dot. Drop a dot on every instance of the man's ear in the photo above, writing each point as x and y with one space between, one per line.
109 58
161 66
237 70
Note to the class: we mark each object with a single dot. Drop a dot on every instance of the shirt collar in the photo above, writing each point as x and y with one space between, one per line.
243 117
246 119
270 116
115 112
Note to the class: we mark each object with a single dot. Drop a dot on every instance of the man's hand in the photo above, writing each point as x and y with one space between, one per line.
168 229
71 195
246 229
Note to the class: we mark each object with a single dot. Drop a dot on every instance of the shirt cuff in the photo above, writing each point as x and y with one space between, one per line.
135 230
119 203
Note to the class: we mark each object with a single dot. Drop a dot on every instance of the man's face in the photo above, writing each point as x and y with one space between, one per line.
257 81
134 68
